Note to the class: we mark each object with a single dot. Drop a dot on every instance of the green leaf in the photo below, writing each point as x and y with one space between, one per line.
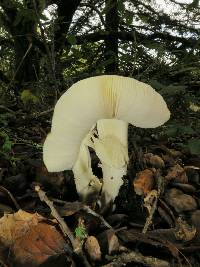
80 232
72 39
28 97
156 84
129 17
18 19
7 146
194 146
120 6
172 90
144 18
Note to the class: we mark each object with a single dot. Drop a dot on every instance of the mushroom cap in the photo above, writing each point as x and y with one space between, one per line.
92 99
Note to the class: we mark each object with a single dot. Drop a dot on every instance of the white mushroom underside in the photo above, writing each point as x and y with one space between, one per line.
93 99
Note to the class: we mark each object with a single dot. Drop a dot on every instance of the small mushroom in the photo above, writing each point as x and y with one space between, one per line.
95 112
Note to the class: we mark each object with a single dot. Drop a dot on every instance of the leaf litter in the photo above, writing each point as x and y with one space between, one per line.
155 221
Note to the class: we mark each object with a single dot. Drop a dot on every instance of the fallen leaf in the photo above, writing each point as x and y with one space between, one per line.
144 182
177 174
108 241
154 160
29 239
92 247
180 201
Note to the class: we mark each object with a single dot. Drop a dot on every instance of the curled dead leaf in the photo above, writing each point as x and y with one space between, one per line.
144 182
108 241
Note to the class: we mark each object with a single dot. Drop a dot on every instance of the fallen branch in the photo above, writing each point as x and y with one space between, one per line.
133 256
7 109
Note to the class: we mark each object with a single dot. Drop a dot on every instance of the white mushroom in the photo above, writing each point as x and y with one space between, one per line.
87 184
110 102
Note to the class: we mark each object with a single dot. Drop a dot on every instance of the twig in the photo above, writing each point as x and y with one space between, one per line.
63 226
133 256
20 63
88 210
4 190
43 113
85 208
7 109
2 264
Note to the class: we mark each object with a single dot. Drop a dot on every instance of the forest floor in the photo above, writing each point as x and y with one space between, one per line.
156 220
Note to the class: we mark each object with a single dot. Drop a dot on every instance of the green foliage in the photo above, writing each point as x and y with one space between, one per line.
71 39
28 97
81 233
194 146
6 148
4 119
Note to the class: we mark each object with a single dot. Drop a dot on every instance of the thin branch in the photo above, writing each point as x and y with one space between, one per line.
5 191
93 7
7 109
20 64
77 247
133 256
63 226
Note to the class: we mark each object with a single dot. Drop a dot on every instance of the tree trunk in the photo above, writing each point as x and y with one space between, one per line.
111 43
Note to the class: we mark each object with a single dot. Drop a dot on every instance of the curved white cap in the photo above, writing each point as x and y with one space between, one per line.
91 99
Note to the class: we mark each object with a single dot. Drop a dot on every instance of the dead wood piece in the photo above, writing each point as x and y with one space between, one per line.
139 258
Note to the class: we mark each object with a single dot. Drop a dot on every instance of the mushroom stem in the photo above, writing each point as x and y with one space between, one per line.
111 147
112 181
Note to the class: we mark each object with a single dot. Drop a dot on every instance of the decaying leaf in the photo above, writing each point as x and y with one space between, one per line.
154 160
29 239
177 174
92 247
144 182
184 231
108 241
180 201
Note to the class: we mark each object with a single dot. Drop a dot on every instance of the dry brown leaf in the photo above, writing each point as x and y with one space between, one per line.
180 201
144 182
108 241
29 238
177 174
92 247
154 160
